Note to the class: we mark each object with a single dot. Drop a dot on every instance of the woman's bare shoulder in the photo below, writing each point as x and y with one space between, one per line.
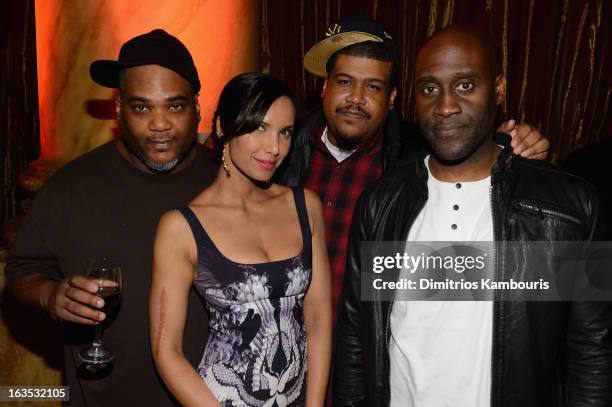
173 222
205 197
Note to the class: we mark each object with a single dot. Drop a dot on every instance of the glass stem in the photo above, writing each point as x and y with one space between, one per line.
98 336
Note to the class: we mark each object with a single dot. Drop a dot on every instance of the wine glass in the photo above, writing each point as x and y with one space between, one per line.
107 274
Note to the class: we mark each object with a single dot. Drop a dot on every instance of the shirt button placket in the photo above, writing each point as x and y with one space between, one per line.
456 207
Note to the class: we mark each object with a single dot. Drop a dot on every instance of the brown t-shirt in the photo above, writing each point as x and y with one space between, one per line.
100 205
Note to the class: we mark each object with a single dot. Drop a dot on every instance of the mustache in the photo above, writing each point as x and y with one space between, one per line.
124 129
354 109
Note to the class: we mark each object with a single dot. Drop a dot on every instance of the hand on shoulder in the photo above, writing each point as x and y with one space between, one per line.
527 141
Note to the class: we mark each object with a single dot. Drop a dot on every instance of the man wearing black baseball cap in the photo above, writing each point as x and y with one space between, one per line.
107 204
154 48
357 136
156 51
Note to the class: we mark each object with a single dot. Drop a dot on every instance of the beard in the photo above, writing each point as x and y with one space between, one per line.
345 142
343 139
160 168
466 137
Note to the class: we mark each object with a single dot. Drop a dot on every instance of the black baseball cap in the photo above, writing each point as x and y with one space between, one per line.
154 48
343 33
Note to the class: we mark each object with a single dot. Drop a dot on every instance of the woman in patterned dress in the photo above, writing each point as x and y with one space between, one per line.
255 252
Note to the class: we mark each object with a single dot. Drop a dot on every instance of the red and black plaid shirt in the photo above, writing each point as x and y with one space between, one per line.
339 184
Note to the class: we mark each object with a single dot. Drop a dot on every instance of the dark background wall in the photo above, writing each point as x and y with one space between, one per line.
556 54
19 142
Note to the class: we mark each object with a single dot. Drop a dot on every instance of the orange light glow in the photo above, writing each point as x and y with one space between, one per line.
223 37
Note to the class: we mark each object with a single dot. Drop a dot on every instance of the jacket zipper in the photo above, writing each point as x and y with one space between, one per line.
542 211
387 339
496 318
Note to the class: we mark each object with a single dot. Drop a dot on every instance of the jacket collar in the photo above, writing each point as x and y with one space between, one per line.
504 160
392 143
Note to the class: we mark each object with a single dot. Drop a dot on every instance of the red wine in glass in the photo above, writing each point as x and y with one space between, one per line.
111 297
107 274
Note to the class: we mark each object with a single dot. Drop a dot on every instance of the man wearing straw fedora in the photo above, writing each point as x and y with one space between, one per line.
356 136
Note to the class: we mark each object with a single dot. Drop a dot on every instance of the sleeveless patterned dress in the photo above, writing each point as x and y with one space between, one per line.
256 351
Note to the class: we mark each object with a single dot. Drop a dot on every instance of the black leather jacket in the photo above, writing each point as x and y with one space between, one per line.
401 143
544 353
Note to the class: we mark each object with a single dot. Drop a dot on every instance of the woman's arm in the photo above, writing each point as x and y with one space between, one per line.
173 265
317 308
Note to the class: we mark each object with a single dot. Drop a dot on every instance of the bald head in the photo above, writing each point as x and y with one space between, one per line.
467 38
458 88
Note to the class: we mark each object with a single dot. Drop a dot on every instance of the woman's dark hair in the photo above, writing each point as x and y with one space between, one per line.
243 104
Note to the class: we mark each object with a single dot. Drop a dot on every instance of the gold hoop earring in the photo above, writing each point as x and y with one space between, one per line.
225 166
